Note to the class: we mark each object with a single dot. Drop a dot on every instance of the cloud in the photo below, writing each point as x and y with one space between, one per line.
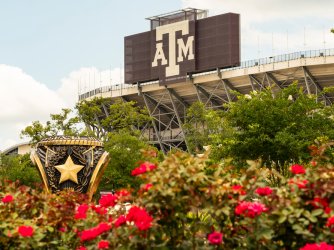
23 99
260 10
277 26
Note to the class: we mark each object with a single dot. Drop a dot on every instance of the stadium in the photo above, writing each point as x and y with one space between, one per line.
188 57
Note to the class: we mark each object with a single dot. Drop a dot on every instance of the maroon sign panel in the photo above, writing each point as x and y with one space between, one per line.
170 52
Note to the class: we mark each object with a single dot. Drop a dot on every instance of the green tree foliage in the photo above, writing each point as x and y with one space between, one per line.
89 113
64 123
126 151
277 128
195 128
120 133
60 124
121 116
19 167
125 115
36 131
204 127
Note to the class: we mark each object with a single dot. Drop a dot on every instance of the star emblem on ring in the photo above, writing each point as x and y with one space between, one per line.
69 170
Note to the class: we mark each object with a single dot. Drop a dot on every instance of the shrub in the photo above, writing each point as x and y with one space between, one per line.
182 203
19 167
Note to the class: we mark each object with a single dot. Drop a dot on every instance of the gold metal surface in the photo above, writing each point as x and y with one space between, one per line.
69 170
71 163
89 141
35 159
97 174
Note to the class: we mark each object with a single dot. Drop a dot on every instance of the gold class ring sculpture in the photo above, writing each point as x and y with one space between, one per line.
74 163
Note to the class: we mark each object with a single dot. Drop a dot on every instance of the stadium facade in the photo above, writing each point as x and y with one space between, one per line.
188 57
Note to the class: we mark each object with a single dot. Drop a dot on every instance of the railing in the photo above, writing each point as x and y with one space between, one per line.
244 64
285 58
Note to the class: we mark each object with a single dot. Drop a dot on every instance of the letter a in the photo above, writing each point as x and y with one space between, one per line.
159 55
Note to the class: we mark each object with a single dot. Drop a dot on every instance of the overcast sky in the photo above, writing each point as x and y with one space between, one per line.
48 48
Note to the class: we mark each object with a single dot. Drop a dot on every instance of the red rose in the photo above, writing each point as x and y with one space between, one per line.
120 221
319 202
81 248
83 208
215 238
330 223
327 210
263 191
108 200
250 209
147 187
103 227
313 163
25 231
79 216
140 217
7 199
103 244
88 234
317 246
144 223
99 210
302 184
143 168
122 193
81 212
297 169
92 233
239 189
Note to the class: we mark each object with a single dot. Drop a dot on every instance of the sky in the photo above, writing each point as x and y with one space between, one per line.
52 50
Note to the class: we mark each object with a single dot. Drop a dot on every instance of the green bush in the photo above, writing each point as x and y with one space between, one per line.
182 203
19 167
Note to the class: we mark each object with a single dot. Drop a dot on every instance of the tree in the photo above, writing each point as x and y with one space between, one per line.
195 127
125 115
126 151
121 116
278 129
64 123
204 127
36 131
89 113
60 124
19 167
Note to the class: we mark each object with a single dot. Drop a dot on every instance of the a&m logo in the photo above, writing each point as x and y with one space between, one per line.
185 50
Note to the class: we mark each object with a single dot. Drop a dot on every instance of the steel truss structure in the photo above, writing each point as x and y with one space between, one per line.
167 105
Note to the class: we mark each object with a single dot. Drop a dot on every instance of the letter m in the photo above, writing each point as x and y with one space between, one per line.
185 49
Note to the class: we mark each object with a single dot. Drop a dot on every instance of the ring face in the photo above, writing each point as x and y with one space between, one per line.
75 163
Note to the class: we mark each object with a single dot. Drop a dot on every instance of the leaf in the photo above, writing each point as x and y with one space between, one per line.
317 212
226 211
265 233
309 216
34 211
281 219
297 227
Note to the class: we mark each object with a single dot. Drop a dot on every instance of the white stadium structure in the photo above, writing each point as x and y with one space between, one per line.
157 65
314 71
